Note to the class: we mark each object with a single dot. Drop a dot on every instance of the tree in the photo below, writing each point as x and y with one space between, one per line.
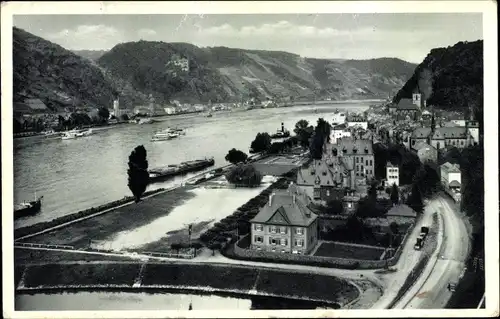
261 143
323 128
303 131
372 192
138 175
415 199
394 194
334 207
244 175
235 156
316 147
103 113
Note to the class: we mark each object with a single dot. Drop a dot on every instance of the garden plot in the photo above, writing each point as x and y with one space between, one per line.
339 250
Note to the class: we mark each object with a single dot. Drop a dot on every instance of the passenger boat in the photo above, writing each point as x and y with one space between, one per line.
28 208
68 135
164 135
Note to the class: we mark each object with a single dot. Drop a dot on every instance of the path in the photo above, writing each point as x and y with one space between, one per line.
446 264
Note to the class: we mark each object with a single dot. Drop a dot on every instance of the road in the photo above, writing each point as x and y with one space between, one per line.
445 265
409 258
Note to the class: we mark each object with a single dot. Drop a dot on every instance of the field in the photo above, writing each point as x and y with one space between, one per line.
327 249
277 165
122 219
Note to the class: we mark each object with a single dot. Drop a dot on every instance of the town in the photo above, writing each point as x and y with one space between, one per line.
288 169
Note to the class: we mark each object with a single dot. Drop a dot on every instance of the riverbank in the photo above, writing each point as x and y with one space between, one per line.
192 277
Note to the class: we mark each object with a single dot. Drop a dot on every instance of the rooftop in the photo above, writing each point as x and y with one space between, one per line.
339 127
422 145
421 132
350 146
317 173
450 132
401 211
451 168
407 104
286 207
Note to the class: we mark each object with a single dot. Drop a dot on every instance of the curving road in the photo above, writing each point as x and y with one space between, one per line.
446 264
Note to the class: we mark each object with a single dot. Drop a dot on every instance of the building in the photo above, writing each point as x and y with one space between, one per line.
182 63
339 117
426 118
392 107
357 121
339 131
401 214
359 152
117 112
407 110
426 153
170 110
392 174
450 173
454 136
321 182
285 224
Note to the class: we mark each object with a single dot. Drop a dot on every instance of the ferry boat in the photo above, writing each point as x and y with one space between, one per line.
146 120
281 133
50 133
28 208
165 135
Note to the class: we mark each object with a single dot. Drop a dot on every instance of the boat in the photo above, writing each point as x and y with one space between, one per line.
161 173
146 120
50 133
68 135
209 114
281 133
28 208
167 134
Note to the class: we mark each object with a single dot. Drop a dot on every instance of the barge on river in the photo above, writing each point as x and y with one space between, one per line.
28 208
161 173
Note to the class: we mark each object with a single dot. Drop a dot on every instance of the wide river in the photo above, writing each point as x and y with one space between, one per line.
73 175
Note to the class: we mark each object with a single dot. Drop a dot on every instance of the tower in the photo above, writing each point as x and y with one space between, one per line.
472 126
417 100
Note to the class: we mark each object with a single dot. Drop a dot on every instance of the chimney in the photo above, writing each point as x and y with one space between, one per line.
271 199
282 127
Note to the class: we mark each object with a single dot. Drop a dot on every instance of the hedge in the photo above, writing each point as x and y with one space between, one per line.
24 231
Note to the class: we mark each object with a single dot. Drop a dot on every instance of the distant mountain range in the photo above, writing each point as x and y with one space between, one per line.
143 72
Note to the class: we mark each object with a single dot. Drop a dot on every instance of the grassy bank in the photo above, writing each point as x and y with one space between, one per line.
24 231
121 219
220 277
23 256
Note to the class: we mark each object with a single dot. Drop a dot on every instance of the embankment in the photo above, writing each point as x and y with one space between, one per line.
191 277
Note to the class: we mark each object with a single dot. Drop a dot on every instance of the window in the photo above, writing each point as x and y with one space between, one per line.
283 251
258 227
357 159
366 162
258 239
272 229
273 241
299 242
316 193
328 192
371 162
299 231
283 230
283 242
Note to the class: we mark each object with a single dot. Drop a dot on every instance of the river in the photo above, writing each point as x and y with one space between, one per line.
105 300
73 175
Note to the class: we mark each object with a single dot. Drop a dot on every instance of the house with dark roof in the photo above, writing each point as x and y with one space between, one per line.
321 181
285 224
407 109
425 152
455 136
401 214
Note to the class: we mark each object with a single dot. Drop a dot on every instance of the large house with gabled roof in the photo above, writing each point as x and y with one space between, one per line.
285 224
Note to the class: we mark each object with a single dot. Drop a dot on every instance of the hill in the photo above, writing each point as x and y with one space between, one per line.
58 77
143 71
224 74
451 78
93 55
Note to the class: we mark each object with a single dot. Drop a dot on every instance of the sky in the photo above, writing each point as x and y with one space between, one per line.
408 36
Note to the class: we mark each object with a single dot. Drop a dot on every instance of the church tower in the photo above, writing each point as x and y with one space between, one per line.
472 126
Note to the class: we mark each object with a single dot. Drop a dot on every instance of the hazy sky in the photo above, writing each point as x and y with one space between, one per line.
408 36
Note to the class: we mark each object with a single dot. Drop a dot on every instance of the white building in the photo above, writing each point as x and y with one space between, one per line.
357 121
338 118
170 110
338 132
473 128
392 174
